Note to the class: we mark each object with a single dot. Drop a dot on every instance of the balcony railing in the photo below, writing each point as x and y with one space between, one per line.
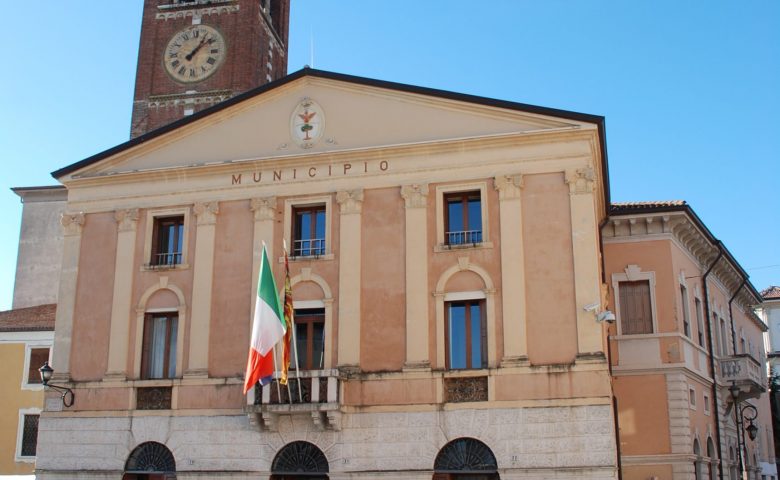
744 371
317 387
310 247
464 237
165 260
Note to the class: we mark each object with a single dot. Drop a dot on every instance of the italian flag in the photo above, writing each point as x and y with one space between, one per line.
268 328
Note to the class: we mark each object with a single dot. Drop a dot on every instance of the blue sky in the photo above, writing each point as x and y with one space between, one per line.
690 90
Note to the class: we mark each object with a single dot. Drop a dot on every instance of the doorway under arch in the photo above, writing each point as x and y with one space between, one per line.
300 460
465 459
150 461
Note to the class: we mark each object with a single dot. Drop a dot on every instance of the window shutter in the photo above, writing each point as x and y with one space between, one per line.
636 315
146 346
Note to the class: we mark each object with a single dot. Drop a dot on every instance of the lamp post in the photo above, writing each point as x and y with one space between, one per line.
741 414
67 394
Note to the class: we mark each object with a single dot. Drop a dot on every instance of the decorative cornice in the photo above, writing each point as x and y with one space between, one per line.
72 222
264 208
508 186
415 196
178 99
677 226
350 201
581 180
206 212
127 219
173 11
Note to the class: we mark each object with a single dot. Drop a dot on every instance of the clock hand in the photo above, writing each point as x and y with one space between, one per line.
195 51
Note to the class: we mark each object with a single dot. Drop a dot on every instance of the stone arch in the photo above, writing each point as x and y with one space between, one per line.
467 458
150 460
487 293
713 458
300 459
142 309
325 303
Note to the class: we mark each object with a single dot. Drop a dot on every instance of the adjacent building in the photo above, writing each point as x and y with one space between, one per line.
686 348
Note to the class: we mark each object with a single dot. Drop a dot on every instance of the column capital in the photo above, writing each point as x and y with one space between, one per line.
72 222
350 201
508 186
206 212
580 180
415 196
264 208
126 219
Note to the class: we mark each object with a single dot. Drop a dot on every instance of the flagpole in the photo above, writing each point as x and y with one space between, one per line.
292 322
278 389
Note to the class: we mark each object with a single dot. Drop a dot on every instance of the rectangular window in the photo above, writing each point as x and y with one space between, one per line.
463 218
38 355
466 335
692 397
158 356
706 404
310 338
29 435
724 339
167 241
699 322
636 315
308 230
686 314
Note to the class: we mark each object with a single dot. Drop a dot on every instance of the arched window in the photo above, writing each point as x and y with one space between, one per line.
711 454
150 461
465 458
697 460
298 460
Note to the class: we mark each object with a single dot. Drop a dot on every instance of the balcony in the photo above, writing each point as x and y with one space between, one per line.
311 392
746 372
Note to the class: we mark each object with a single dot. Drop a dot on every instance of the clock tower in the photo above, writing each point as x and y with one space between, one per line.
196 53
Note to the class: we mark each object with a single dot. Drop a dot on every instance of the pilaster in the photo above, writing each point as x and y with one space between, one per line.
72 223
264 213
679 413
416 200
127 222
513 302
350 208
584 236
203 272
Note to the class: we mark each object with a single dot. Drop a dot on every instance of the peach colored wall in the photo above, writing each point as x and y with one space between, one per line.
143 280
211 396
390 392
650 256
231 290
464 282
102 399
553 383
549 270
487 258
383 313
701 422
94 291
682 263
642 414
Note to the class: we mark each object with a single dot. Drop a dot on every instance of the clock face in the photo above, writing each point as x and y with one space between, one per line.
194 53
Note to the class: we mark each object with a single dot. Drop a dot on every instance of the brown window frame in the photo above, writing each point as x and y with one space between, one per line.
33 374
464 197
298 236
628 309
468 340
169 352
309 317
161 258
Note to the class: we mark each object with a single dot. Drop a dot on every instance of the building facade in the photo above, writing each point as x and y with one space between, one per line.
687 350
444 248
26 337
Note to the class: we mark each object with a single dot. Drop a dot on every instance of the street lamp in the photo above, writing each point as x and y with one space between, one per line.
67 394
741 414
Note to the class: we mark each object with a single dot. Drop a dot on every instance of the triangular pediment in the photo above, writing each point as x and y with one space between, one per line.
349 116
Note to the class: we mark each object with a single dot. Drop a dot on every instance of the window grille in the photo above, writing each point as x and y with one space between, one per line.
30 435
